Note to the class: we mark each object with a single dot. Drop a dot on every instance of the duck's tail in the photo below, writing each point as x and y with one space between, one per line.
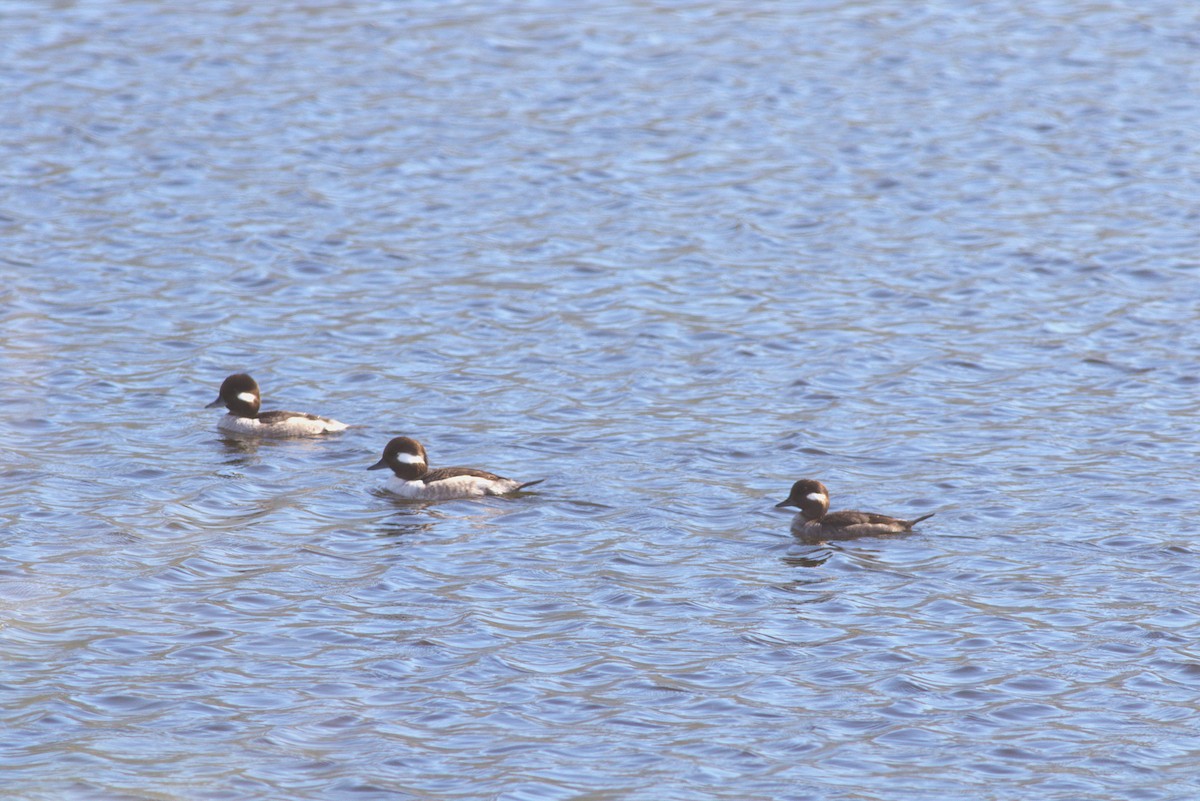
529 484
912 523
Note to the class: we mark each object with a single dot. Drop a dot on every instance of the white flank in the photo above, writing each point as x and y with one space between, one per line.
458 487
305 426
291 427
239 425
450 488
248 397
413 490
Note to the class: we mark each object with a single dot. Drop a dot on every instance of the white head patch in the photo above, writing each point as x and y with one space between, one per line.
248 397
409 458
819 497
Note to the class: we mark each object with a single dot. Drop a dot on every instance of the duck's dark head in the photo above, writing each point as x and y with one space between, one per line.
239 394
405 457
810 497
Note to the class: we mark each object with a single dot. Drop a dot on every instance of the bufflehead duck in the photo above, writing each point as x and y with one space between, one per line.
414 480
239 394
814 523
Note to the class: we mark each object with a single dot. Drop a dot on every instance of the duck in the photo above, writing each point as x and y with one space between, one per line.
413 480
239 394
815 523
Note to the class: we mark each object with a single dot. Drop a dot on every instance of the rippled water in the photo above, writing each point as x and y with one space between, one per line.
670 257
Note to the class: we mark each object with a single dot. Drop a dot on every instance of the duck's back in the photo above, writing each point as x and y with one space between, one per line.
848 525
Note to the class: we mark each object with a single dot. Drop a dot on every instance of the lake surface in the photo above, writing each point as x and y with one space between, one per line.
671 257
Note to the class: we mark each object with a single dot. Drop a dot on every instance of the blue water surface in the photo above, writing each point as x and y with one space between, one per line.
671 257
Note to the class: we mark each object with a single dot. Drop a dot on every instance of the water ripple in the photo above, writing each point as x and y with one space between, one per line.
670 257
